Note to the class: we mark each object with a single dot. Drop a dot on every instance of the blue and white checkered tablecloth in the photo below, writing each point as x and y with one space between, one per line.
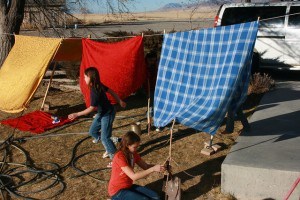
201 73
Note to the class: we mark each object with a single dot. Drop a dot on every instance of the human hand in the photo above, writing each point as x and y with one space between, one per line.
72 116
122 104
158 168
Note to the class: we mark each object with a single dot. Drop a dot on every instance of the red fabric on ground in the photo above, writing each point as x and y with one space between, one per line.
35 122
121 65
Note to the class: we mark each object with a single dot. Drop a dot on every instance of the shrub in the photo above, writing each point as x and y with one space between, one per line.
152 40
260 83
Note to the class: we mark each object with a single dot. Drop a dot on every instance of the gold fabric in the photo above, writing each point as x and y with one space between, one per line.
24 69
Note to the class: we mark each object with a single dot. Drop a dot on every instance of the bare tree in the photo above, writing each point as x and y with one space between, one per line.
45 15
194 5
11 17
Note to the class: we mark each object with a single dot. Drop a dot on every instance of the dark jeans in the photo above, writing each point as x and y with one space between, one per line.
136 192
230 120
104 122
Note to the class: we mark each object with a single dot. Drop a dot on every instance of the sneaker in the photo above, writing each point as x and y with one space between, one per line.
55 120
158 129
95 141
109 165
105 155
115 139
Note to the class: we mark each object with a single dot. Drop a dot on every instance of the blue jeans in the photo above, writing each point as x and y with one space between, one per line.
136 192
104 122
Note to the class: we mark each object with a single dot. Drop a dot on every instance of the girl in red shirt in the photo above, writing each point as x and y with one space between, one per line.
121 185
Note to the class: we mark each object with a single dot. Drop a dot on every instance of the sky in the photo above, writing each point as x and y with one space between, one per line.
96 6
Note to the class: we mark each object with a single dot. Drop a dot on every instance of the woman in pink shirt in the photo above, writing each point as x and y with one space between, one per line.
122 176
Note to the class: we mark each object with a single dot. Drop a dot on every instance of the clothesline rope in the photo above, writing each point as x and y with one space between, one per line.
279 16
129 36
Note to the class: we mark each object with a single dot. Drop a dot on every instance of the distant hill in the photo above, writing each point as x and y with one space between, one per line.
171 6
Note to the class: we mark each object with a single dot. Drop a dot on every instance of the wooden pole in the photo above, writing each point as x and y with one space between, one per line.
168 162
211 140
148 117
49 84
171 137
148 107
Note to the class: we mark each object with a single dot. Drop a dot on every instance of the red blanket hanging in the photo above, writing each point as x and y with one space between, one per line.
121 65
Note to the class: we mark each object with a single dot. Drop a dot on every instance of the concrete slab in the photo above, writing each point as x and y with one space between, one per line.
265 162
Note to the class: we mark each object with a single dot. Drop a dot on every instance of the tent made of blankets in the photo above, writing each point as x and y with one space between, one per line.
121 65
201 73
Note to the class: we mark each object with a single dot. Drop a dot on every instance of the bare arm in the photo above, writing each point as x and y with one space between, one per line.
138 175
117 98
143 164
84 112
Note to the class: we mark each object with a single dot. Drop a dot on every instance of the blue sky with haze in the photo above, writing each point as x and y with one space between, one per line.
95 6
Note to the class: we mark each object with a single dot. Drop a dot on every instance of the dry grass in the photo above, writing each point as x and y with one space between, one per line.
200 174
204 12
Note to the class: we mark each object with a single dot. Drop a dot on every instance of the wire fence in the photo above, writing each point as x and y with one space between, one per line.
132 28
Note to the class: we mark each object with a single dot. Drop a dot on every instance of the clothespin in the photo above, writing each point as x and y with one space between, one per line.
168 166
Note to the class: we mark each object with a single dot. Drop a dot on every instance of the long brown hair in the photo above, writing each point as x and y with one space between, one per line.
94 76
128 138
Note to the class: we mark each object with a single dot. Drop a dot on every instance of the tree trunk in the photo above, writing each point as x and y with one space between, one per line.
11 18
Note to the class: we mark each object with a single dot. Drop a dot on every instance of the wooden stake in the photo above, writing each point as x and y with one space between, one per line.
171 137
50 81
148 107
148 117
211 140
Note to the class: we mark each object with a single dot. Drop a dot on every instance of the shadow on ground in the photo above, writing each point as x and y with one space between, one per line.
210 177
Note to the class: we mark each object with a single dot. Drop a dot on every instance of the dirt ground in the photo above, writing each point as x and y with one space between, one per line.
200 174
